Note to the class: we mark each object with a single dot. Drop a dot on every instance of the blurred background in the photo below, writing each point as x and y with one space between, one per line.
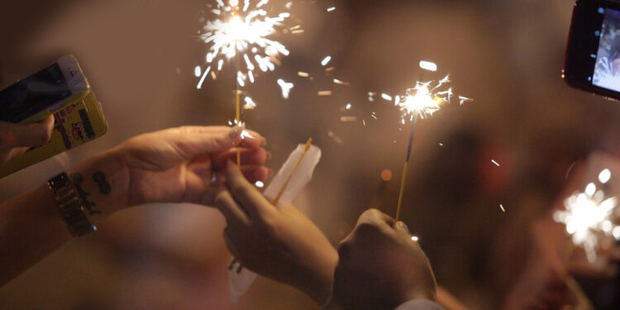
140 55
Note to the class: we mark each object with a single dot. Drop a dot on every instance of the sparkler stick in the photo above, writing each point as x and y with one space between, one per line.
403 180
238 119
288 179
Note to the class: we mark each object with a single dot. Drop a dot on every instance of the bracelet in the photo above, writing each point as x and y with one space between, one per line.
71 205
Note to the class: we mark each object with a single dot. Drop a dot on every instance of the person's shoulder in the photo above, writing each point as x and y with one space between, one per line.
420 304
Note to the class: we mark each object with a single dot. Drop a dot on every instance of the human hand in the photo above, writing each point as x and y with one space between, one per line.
380 266
546 283
172 165
279 243
15 139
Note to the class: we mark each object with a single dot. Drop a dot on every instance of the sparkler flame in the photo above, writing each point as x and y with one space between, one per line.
588 218
241 31
424 99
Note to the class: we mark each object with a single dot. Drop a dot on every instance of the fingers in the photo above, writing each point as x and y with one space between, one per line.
376 217
229 243
249 156
194 141
234 214
402 229
253 201
26 135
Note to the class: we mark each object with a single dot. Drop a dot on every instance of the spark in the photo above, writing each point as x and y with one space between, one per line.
386 97
495 162
331 9
462 100
502 208
259 184
325 93
348 119
587 218
242 32
428 65
286 88
604 176
303 74
249 104
415 238
348 106
340 82
198 71
326 61
245 135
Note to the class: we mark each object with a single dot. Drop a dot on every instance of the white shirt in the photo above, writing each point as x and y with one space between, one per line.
419 304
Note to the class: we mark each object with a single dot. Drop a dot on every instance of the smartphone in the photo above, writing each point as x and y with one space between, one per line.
61 90
79 121
593 52
44 92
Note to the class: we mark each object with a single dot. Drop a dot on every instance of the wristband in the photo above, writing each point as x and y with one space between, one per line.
71 204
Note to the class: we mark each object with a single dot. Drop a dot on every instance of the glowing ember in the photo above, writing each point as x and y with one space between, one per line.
286 88
588 218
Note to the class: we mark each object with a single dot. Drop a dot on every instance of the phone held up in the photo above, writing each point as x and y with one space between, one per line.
63 91
593 52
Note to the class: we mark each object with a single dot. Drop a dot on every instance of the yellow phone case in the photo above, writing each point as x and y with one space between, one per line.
79 121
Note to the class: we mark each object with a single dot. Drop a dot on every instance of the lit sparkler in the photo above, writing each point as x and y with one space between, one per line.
588 218
242 31
420 102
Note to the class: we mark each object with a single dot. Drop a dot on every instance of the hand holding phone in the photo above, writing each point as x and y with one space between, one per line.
593 53
16 139
59 94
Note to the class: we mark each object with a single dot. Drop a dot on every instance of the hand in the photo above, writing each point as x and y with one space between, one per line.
546 282
380 266
279 243
15 139
173 165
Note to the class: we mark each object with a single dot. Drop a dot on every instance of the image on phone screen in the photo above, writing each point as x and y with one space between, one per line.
33 94
607 69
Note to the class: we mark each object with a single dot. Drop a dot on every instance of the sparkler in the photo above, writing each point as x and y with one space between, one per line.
419 102
242 30
588 217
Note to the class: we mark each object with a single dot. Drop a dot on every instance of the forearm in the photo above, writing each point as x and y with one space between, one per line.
31 225
30 228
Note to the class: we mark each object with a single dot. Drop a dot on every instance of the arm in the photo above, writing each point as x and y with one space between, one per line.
173 165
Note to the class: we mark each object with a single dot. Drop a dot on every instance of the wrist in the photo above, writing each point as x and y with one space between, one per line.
103 182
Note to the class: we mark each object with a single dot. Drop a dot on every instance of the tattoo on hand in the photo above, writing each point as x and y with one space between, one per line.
104 185
78 179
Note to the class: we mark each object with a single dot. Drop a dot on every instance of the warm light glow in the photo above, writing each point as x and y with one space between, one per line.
420 101
242 31
587 218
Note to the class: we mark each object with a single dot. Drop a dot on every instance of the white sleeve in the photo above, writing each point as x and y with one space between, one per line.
419 304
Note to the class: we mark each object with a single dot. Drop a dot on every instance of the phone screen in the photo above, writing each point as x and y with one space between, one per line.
33 94
607 68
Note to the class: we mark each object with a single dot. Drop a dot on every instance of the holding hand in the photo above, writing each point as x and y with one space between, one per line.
380 266
170 166
279 243
15 139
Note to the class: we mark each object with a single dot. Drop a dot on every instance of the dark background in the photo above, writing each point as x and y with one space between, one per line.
140 56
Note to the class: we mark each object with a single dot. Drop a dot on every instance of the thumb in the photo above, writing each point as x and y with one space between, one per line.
27 135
